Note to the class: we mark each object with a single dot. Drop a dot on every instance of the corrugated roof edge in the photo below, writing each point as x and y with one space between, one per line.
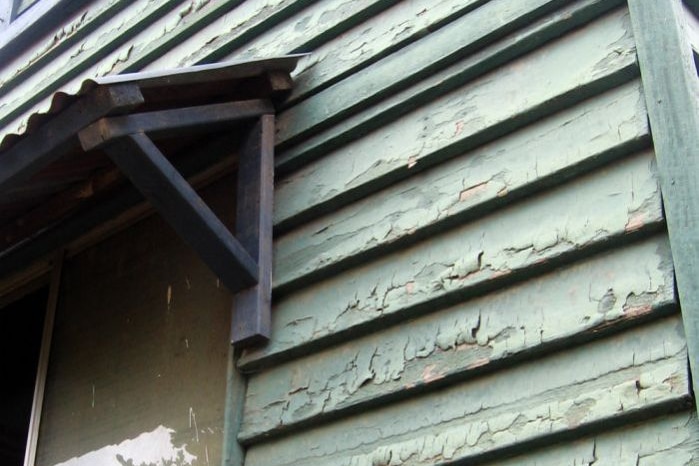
193 74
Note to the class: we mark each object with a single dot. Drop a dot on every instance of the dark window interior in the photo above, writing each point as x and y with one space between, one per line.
21 328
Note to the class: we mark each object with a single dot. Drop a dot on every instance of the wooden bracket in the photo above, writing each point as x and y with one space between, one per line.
148 169
243 262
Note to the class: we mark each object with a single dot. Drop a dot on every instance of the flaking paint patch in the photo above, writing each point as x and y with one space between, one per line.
452 188
469 255
590 296
402 23
520 404
430 129
155 448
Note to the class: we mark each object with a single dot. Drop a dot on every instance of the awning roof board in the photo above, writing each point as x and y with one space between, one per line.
161 83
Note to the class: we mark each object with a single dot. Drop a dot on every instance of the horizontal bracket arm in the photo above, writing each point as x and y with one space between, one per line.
173 121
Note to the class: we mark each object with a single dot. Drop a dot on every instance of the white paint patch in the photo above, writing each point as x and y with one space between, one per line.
148 449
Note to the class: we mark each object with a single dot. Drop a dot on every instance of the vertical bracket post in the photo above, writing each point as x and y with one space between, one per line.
254 222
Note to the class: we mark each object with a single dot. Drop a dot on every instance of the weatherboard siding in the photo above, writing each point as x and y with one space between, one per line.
582 300
471 258
617 377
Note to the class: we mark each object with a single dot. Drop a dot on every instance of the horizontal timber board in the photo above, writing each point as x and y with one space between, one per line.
599 384
230 31
51 46
178 29
457 40
438 83
555 310
316 24
73 65
667 440
594 131
484 109
375 38
293 25
511 242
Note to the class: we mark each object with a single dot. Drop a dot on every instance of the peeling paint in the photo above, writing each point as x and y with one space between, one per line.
569 64
155 448
582 386
569 303
472 254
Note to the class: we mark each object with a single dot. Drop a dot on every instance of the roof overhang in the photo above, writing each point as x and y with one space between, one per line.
69 170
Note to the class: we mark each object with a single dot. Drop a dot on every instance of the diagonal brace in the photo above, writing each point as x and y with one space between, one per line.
148 169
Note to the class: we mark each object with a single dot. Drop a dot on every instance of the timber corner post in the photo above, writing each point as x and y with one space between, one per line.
671 89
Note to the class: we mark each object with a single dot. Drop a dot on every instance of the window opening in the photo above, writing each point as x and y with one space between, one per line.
21 330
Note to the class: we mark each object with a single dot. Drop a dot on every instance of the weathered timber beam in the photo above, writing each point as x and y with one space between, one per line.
57 207
143 163
252 307
172 121
671 89
51 140
97 219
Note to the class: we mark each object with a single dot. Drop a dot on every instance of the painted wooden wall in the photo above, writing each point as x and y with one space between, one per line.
471 260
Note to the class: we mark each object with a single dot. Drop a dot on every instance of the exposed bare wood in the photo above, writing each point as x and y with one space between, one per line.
581 302
466 187
580 64
470 258
609 382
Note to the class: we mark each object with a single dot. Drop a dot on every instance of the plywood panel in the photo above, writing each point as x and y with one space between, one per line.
140 352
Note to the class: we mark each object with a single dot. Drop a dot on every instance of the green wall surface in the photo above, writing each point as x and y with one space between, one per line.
471 259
